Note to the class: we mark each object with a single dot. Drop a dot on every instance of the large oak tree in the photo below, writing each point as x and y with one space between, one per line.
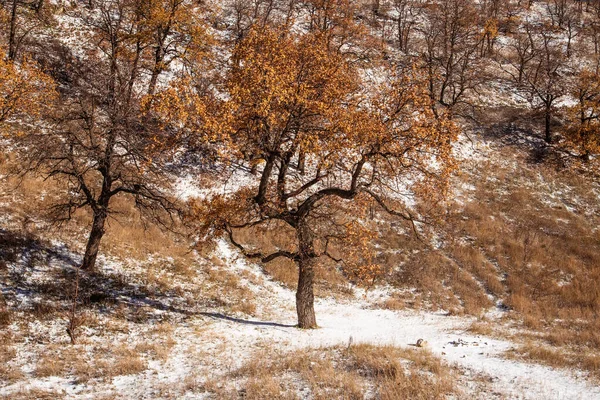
295 96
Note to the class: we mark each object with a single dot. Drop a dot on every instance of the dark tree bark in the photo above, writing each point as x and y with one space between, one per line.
157 69
93 244
12 45
305 297
548 123
302 162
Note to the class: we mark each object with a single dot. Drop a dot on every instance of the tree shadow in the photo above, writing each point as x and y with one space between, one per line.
245 321
35 272
520 129
38 277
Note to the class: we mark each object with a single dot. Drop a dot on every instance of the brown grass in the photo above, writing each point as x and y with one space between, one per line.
38 394
9 373
541 260
481 328
227 289
50 365
346 373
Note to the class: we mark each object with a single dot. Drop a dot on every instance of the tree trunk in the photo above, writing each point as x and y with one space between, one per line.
548 120
153 80
302 162
93 244
12 45
305 297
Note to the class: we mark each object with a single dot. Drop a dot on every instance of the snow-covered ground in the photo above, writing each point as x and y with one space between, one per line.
343 323
211 344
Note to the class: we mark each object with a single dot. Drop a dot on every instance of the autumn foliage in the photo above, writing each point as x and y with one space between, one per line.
25 91
325 132
583 132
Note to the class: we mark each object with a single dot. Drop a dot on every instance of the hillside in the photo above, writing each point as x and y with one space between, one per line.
180 178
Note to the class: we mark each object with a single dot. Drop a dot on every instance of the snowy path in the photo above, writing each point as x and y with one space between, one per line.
480 355
476 355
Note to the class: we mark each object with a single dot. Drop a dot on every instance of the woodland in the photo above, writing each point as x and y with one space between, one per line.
326 142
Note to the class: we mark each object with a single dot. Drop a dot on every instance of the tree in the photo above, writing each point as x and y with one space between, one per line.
174 30
520 51
542 79
534 60
107 138
451 39
295 93
583 126
21 20
407 14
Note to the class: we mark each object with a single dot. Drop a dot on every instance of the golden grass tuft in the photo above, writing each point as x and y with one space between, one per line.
384 372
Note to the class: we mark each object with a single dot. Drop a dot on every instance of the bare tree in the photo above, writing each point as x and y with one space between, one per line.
24 19
450 51
99 142
542 78
406 18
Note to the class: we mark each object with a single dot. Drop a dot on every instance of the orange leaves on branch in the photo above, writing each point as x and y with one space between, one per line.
414 138
25 91
288 90
211 215
362 127
583 132
181 110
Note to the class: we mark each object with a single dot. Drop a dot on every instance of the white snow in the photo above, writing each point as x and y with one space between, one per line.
338 322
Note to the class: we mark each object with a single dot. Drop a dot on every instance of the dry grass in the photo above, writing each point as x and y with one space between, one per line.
341 373
533 351
481 328
228 289
534 246
38 394
50 365
9 373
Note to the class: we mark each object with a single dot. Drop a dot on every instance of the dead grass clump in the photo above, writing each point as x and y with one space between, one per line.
158 342
35 393
229 291
245 307
544 354
393 303
5 318
127 362
348 373
443 283
50 365
129 365
265 387
9 373
481 328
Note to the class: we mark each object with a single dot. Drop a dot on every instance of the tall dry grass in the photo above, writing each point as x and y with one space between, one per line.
355 372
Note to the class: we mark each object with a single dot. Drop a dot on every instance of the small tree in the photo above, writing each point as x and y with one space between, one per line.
293 95
537 68
105 138
20 21
583 126
452 37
